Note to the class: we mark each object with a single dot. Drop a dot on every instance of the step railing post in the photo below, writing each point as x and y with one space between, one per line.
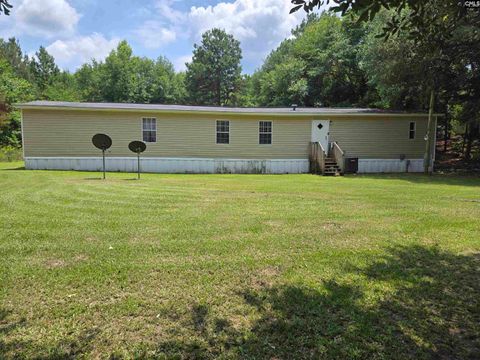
339 156
317 157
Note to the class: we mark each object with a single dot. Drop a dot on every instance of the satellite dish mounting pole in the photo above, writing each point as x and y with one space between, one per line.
103 156
138 164
137 147
102 142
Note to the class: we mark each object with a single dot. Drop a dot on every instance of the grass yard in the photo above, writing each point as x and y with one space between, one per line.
238 266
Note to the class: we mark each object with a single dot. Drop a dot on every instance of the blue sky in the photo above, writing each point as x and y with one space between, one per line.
75 31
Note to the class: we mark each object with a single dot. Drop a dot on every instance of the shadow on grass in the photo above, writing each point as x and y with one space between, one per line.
5 326
63 349
433 313
101 178
440 179
15 169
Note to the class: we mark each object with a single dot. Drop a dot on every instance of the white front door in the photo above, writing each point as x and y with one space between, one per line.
320 129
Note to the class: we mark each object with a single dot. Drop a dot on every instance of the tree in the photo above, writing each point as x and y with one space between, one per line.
317 67
213 76
116 73
62 88
392 68
89 82
329 47
5 7
275 82
284 85
418 17
432 25
12 90
143 83
124 77
464 83
11 51
169 86
43 68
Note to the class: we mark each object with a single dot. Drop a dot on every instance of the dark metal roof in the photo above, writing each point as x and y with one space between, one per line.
209 109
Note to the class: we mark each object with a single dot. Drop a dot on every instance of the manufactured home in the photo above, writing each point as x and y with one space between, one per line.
200 139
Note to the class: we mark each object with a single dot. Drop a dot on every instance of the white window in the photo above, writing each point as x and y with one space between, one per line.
149 129
223 132
265 132
412 129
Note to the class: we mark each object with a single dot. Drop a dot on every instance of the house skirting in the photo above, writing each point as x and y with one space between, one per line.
210 166
171 165
389 165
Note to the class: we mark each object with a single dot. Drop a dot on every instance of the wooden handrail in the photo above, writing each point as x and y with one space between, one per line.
339 156
321 147
336 146
317 158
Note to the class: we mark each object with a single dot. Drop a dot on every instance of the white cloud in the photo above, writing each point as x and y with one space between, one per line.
71 53
166 10
153 35
179 62
57 19
46 18
260 25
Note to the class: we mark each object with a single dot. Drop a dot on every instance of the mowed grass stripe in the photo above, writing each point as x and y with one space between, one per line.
238 266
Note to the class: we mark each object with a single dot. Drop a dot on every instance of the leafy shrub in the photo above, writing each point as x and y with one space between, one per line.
10 153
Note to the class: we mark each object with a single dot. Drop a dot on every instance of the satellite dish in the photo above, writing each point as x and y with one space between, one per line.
102 141
137 146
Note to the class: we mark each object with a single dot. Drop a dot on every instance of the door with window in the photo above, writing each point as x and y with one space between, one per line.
320 132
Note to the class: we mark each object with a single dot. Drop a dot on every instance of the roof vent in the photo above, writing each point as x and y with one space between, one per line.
294 107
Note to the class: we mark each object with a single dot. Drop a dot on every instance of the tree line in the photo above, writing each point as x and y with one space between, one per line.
328 61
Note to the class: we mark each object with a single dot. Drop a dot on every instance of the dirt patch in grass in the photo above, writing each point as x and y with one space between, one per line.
55 263
331 226
275 223
265 277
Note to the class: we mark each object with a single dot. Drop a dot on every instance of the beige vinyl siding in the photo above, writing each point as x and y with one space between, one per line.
68 133
374 138
64 133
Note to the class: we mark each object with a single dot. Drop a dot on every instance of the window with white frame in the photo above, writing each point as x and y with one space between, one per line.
223 132
412 129
265 132
149 129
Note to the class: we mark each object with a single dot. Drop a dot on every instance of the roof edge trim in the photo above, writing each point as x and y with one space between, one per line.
170 111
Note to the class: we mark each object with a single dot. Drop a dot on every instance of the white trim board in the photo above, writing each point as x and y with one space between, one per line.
171 165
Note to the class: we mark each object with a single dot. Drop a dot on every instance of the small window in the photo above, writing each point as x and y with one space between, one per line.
411 133
149 129
223 132
265 132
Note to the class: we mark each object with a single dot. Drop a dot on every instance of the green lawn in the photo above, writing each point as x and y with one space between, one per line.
238 266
